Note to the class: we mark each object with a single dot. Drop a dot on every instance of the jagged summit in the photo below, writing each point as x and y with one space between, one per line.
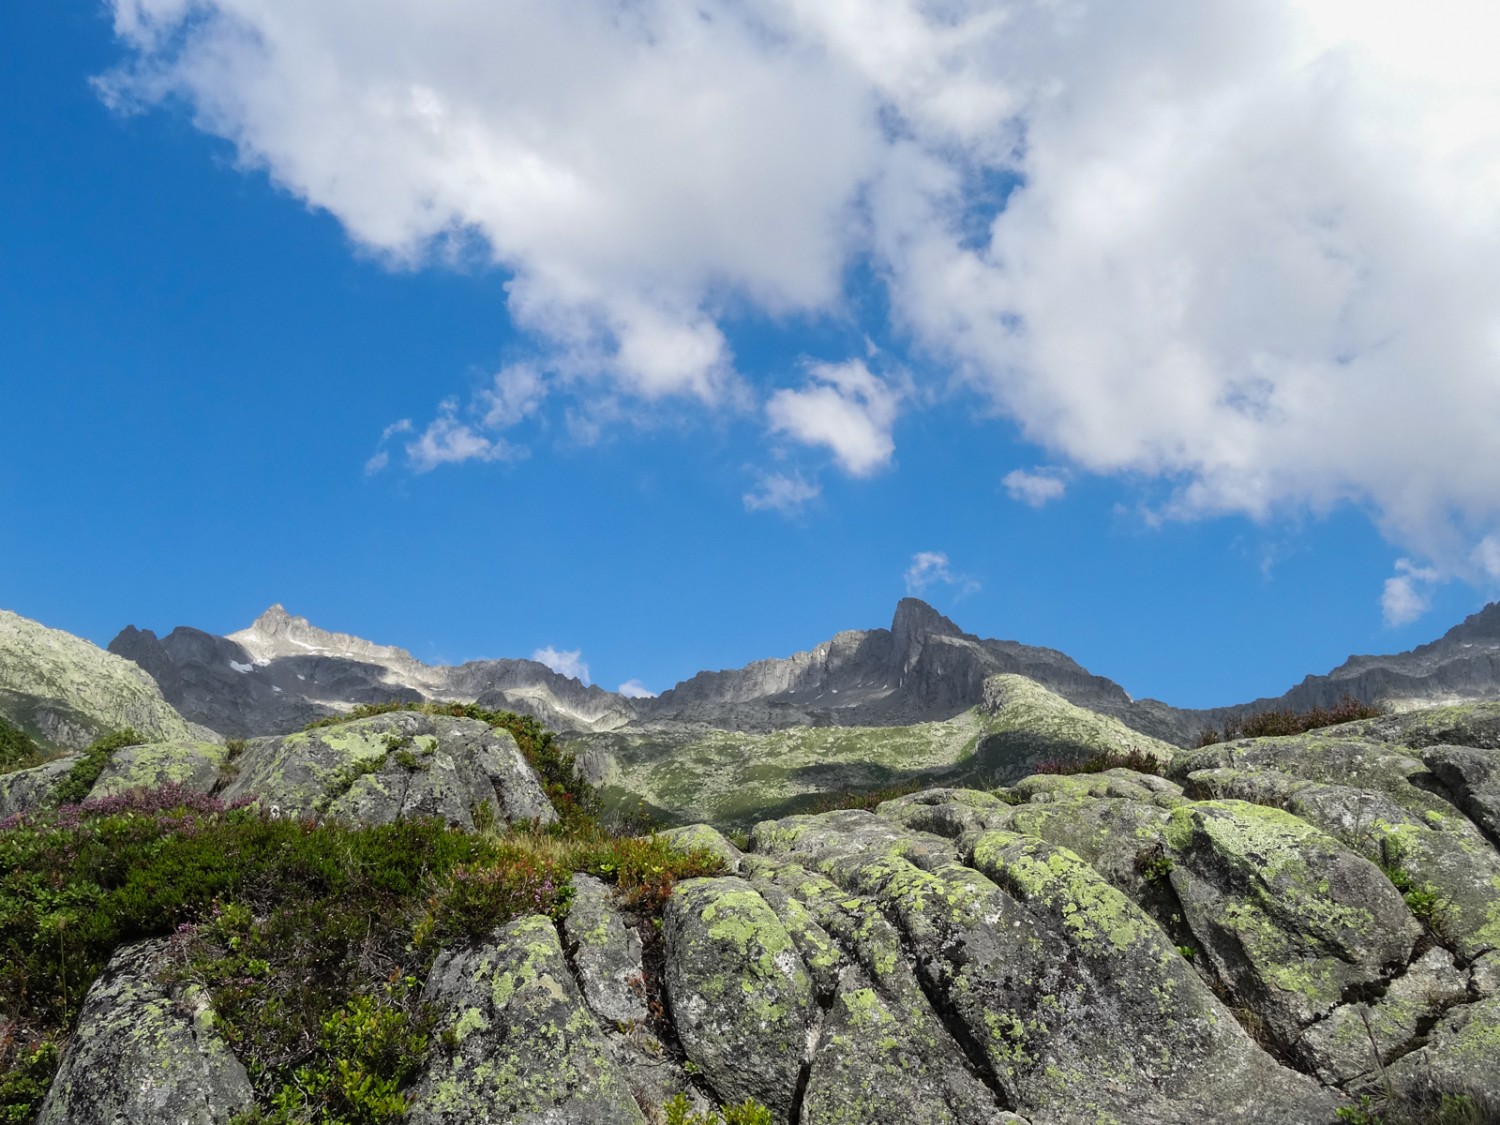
278 633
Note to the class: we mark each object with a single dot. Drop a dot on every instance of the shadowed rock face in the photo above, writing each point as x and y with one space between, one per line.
1274 927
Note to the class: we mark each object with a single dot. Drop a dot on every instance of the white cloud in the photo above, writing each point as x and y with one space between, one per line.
1487 557
786 493
843 407
564 662
1408 594
1036 488
1253 250
514 394
634 689
931 568
447 440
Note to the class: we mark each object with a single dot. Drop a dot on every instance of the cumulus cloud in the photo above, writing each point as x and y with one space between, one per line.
448 440
786 493
634 689
564 662
1408 594
930 569
1250 250
1036 488
844 407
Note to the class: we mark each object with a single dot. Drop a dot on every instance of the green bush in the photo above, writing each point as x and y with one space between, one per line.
1137 760
80 780
17 750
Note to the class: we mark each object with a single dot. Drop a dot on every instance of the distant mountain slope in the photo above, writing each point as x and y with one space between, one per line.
283 671
65 692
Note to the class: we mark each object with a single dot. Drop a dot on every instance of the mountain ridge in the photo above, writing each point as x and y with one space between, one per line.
282 671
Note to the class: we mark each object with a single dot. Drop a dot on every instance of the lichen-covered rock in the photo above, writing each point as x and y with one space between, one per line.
869 1069
1332 757
66 692
1055 1030
606 953
1161 1046
195 766
32 788
1359 1038
145 1055
741 998
1117 783
1461 1058
393 767
937 1078
515 1043
1288 917
1440 854
1473 777
703 837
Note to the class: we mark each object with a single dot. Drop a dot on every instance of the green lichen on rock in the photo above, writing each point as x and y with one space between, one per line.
606 954
1289 918
195 766
143 1055
391 767
741 996
516 1043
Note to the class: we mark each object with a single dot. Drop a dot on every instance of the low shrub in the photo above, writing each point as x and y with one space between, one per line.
1137 760
1267 724
867 799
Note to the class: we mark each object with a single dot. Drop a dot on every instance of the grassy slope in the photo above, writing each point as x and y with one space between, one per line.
732 778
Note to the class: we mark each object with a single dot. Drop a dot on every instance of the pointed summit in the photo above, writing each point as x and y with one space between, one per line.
915 621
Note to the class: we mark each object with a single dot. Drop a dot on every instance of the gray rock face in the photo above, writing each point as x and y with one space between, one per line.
606 954
32 788
522 1048
1473 777
144 1056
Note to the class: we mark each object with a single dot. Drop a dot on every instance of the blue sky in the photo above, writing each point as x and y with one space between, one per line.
686 363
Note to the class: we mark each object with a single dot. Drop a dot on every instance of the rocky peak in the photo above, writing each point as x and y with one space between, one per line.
277 633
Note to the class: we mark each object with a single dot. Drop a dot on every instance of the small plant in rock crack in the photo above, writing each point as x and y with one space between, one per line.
679 1111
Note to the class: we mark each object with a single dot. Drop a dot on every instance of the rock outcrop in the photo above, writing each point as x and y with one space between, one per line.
1271 929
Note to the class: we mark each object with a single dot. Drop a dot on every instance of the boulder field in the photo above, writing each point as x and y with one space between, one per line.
1263 931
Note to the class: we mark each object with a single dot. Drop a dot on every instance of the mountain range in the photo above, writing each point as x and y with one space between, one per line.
282 672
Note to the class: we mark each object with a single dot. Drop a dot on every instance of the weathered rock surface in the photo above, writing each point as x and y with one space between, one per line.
519 1045
66 692
145 1055
606 953
742 1000
391 767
